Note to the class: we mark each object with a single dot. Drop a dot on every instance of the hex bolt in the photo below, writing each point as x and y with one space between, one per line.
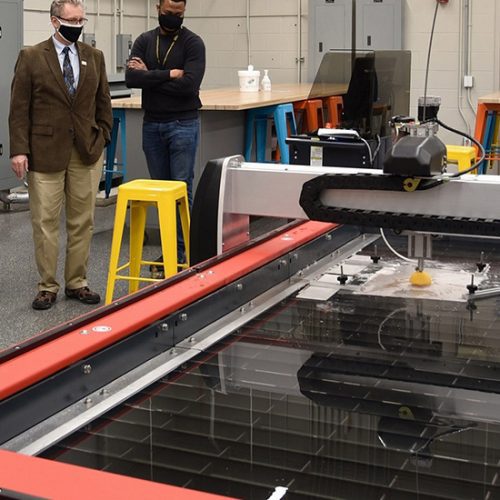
343 277
375 257
164 327
183 317
86 369
481 265
472 288
239 287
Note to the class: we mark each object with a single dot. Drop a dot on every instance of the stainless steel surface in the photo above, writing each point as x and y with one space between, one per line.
262 189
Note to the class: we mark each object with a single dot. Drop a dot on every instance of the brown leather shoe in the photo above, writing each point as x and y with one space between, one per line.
83 294
44 300
157 270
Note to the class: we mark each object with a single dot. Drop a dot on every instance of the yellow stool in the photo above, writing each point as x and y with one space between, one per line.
463 155
142 193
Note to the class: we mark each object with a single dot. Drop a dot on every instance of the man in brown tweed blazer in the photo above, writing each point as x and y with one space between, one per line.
60 121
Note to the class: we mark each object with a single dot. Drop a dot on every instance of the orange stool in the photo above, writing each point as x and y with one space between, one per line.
334 105
312 114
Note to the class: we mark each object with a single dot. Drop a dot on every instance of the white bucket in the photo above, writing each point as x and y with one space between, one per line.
249 80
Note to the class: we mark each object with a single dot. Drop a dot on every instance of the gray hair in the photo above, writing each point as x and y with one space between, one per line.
57 6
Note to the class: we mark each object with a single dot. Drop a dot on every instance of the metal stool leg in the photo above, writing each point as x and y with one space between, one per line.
183 208
120 215
284 119
168 234
138 211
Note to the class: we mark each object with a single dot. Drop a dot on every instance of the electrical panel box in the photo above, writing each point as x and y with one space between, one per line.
329 28
89 39
378 26
11 39
123 50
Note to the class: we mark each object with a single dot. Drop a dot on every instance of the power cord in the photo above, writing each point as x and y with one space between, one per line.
470 138
369 150
377 149
429 60
439 122
393 250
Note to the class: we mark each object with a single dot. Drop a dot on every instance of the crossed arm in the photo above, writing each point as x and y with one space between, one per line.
176 81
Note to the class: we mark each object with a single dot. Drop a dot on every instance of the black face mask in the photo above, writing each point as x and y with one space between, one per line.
169 22
70 33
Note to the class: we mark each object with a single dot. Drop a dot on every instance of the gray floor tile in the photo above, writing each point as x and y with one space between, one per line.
18 275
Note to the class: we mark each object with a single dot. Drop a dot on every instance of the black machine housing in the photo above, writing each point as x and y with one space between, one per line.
416 156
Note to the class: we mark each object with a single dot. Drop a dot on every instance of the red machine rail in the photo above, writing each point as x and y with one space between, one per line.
42 478
28 368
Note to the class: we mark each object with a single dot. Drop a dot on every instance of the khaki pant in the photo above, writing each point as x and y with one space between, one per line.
76 186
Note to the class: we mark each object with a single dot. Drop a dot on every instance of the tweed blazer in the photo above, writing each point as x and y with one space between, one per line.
45 122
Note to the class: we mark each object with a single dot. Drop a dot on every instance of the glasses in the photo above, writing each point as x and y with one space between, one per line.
168 12
77 22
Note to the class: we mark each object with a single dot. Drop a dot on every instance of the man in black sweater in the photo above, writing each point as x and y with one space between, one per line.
168 64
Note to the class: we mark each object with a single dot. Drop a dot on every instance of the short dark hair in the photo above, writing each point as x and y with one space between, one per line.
176 1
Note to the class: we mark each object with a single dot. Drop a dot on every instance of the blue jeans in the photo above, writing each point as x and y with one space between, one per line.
170 150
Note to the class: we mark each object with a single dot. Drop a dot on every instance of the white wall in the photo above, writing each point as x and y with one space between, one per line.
274 41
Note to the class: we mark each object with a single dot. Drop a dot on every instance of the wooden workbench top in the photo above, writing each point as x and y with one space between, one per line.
493 98
231 99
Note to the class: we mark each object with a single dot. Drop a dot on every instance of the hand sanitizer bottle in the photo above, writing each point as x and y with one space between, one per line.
266 82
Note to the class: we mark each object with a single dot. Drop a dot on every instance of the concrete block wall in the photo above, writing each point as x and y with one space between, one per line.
274 41
445 70
223 25
272 37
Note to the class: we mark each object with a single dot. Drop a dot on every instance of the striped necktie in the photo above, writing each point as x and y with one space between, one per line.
68 75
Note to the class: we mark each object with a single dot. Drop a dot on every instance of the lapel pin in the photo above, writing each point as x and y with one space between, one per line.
84 63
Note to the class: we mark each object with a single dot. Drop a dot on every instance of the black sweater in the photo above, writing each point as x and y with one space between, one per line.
164 98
